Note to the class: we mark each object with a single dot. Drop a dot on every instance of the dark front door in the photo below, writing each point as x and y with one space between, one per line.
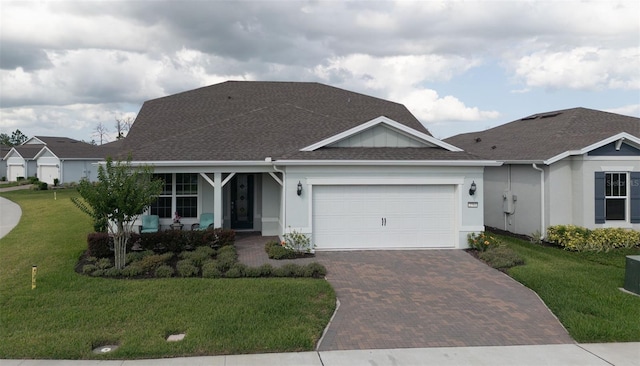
242 201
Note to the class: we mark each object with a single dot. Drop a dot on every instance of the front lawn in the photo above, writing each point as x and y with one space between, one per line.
581 289
68 314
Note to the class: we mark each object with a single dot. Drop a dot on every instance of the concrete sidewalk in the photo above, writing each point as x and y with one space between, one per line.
597 354
10 214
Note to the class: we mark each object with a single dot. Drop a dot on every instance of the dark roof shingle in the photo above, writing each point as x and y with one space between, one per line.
543 136
251 120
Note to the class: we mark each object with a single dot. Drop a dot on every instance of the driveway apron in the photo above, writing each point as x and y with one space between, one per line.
431 298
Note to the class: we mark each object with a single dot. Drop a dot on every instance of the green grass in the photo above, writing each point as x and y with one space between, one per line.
68 314
582 290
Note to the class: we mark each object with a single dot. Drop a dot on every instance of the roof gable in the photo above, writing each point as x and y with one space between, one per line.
380 132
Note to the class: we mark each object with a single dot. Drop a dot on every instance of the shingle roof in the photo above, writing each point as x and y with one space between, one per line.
543 136
28 151
66 148
241 120
381 153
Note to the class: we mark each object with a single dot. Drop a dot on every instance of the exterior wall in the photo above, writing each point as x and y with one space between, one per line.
76 170
585 171
298 208
560 190
271 207
3 169
32 169
522 183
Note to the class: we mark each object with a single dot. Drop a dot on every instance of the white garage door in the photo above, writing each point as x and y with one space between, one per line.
15 171
378 217
48 173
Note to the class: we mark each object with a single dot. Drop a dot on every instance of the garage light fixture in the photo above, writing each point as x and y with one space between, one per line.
472 189
299 188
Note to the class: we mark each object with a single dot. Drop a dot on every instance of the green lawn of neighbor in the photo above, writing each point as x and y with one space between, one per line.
582 290
68 314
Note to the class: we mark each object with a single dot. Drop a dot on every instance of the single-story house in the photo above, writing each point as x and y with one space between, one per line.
62 158
576 166
349 170
4 150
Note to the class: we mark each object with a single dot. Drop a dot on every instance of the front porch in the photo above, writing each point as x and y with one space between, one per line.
242 201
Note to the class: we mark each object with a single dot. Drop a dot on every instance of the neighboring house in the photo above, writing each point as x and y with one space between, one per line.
21 161
4 150
575 166
349 170
61 158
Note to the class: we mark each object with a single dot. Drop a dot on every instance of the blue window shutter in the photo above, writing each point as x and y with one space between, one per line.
635 197
599 194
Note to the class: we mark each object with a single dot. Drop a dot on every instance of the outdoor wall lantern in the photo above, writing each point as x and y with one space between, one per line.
299 188
472 190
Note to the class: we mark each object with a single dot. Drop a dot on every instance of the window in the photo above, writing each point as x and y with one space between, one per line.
615 196
186 196
162 207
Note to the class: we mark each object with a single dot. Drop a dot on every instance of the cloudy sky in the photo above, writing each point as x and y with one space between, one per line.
464 66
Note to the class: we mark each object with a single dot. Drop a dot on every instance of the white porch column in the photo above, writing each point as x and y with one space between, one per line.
217 200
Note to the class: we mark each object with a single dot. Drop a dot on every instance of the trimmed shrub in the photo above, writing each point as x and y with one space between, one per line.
482 241
501 257
132 270
112 272
89 268
210 269
186 268
149 263
280 252
104 263
43 186
292 270
252 272
236 271
98 245
225 260
198 256
164 271
577 238
270 244
266 270
315 270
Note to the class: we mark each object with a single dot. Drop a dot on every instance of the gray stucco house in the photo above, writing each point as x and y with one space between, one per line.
61 158
349 170
576 166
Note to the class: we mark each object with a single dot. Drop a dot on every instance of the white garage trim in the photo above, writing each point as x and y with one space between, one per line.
385 216
384 181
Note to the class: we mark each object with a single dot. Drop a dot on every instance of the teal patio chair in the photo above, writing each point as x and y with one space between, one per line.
150 224
206 222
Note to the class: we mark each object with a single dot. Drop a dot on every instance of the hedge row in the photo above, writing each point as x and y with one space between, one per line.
100 245
580 239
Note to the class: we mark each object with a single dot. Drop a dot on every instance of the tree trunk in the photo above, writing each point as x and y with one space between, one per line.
120 239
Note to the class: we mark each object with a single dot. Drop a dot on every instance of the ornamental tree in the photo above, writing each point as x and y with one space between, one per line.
119 196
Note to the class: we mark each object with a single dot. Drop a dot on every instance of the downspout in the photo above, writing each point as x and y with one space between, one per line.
284 197
542 228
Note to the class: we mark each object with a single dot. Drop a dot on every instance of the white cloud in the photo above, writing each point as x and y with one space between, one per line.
401 78
583 68
628 110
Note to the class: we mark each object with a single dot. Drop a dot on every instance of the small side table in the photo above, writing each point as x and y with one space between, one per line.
176 226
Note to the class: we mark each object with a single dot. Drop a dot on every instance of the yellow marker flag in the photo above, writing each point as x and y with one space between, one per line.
34 271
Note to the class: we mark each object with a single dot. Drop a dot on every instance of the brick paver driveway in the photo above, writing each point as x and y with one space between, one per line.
431 298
